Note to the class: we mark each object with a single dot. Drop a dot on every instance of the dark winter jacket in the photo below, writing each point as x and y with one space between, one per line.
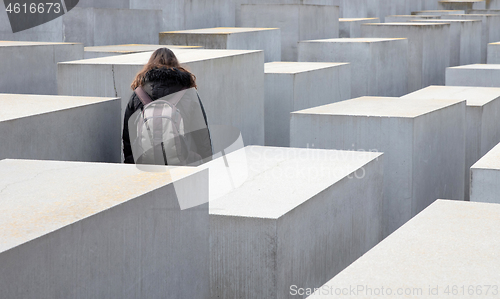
159 83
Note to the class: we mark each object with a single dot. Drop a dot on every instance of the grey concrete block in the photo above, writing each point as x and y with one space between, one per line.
487 5
123 4
490 32
465 40
484 75
232 38
493 53
438 12
297 22
428 49
351 27
113 50
417 261
88 230
373 8
379 66
464 5
482 115
485 178
31 67
301 217
60 128
406 18
292 86
483 11
423 143
238 102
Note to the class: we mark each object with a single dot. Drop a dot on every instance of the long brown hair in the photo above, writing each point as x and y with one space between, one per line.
161 58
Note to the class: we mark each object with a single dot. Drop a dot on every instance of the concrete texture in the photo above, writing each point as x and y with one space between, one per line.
406 18
485 178
104 4
464 5
292 86
113 50
379 66
230 83
417 261
232 38
438 12
31 67
483 11
327 215
373 8
60 128
493 53
297 22
351 27
423 143
490 32
484 75
85 230
465 40
428 49
482 115
487 5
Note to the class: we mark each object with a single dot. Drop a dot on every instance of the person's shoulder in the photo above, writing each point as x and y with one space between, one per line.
169 75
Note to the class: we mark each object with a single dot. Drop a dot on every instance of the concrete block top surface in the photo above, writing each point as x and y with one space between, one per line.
381 107
475 96
409 24
221 30
477 67
281 179
489 161
135 48
441 12
352 40
25 105
357 19
23 43
495 44
183 55
297 67
39 197
446 21
450 243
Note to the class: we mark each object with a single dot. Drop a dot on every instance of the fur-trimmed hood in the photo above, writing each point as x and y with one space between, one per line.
169 75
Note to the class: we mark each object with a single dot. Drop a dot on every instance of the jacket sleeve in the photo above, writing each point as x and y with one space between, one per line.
127 148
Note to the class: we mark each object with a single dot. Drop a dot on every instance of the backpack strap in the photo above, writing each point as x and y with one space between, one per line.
143 96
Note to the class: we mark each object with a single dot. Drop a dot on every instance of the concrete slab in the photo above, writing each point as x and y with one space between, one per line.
239 102
292 86
104 4
326 215
105 51
297 22
428 49
482 114
385 57
483 11
80 230
351 27
484 75
465 40
416 261
438 12
490 32
485 178
60 128
373 8
31 67
423 143
233 38
406 18
464 5
487 5
493 53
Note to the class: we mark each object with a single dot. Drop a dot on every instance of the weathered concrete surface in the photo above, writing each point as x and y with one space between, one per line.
428 49
104 4
490 32
485 75
423 143
60 128
373 8
292 86
327 214
232 38
239 102
31 67
458 4
379 66
482 115
483 11
485 178
438 12
406 18
417 260
487 5
465 40
297 23
493 53
85 230
113 50
351 27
